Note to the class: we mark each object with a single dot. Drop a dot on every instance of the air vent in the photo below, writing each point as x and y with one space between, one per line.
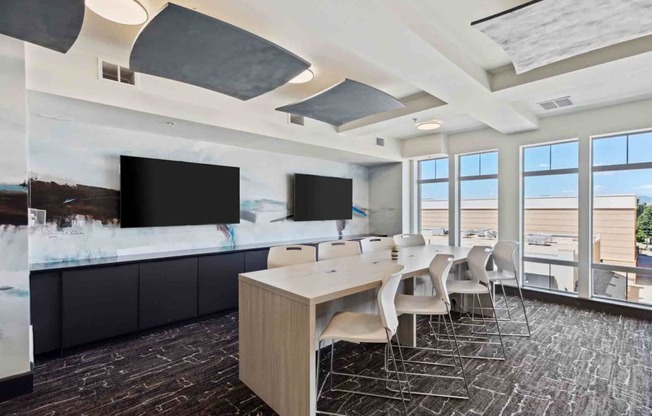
116 73
380 142
296 119
556 103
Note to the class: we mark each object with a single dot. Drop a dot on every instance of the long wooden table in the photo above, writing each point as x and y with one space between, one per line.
282 312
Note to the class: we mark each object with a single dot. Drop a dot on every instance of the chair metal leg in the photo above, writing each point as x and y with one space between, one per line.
509 314
400 354
527 322
502 346
398 379
459 355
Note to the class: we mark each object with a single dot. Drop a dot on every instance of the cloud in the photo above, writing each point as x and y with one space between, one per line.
645 187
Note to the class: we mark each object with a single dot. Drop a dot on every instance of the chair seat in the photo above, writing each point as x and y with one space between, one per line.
355 327
420 305
500 275
465 286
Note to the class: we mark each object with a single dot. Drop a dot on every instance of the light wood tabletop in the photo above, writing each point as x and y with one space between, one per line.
322 281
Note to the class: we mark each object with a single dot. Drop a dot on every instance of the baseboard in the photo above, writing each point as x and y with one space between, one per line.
15 386
606 307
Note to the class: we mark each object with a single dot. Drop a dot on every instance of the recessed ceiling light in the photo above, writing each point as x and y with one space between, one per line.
305 76
124 12
428 125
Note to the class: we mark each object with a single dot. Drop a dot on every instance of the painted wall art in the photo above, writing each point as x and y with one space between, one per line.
75 195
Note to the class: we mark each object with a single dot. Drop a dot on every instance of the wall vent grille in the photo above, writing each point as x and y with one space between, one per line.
380 142
296 119
116 73
556 103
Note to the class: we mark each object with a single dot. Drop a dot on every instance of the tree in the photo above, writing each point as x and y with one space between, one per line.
644 223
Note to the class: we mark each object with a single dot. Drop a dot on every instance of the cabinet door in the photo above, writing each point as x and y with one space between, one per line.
256 260
45 301
218 282
99 303
168 291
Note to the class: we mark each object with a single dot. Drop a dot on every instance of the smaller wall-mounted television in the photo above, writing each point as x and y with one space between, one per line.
161 193
322 198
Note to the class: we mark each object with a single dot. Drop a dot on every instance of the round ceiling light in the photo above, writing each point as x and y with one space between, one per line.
305 76
125 12
429 125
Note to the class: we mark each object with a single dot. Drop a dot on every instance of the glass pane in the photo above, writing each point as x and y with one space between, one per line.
640 148
565 155
489 163
434 212
551 217
479 212
611 151
629 287
552 277
428 169
470 165
442 168
536 158
622 217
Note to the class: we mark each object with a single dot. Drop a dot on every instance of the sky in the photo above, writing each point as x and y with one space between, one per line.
630 149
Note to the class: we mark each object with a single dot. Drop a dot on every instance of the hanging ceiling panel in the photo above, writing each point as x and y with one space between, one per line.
539 32
53 24
343 103
187 46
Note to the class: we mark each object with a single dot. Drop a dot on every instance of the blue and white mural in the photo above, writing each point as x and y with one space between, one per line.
74 191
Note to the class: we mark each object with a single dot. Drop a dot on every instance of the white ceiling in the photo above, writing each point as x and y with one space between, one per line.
405 48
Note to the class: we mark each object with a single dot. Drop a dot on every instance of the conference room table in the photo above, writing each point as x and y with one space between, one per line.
282 312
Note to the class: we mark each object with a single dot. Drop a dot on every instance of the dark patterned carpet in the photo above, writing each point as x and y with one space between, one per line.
576 363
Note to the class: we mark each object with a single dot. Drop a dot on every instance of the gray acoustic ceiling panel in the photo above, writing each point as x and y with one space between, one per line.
53 24
187 46
345 102
539 32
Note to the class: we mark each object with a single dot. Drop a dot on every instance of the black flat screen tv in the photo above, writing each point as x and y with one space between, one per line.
162 193
321 198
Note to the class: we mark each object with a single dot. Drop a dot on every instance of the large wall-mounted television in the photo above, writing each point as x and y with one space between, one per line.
161 193
322 198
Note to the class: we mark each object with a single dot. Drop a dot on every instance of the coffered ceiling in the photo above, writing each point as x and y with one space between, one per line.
426 53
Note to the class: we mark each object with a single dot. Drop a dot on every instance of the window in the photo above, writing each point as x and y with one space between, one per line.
622 217
478 199
550 216
433 200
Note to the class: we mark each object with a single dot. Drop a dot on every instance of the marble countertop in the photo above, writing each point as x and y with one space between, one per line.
136 258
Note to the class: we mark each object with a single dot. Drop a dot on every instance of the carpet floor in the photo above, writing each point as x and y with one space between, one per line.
577 362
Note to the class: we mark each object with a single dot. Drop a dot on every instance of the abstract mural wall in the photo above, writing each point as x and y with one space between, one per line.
74 192
14 277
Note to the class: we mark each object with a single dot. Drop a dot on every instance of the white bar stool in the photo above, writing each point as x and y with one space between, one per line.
283 256
409 240
373 244
367 328
336 249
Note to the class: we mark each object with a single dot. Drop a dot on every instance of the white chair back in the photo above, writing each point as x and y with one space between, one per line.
439 269
337 249
386 296
409 240
477 261
506 256
283 256
372 244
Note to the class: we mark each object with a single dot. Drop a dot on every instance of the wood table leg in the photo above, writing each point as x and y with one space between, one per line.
277 350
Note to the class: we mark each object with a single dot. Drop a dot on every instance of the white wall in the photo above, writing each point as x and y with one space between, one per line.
385 199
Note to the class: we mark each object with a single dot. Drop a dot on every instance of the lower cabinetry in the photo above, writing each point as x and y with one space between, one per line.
89 304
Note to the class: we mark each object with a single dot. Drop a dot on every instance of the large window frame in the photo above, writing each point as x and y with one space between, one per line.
469 178
435 180
524 240
619 167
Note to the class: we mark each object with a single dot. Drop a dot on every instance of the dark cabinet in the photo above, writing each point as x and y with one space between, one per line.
218 282
168 291
99 303
45 301
256 260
